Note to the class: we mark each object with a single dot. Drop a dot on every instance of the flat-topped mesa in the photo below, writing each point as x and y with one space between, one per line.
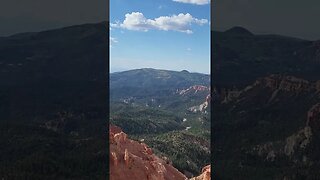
130 159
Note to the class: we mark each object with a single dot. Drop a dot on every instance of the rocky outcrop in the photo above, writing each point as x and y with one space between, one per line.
202 107
298 141
313 117
205 175
200 92
130 159
285 83
194 90
274 83
295 147
228 95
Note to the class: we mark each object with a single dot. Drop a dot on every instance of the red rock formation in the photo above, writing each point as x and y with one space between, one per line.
285 83
204 90
194 89
208 98
313 118
296 143
202 107
206 174
132 160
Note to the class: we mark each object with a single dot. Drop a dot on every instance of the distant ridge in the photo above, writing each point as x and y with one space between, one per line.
56 29
153 81
237 30
155 70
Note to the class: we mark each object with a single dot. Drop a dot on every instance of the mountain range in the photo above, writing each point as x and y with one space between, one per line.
53 103
153 82
265 114
239 57
265 98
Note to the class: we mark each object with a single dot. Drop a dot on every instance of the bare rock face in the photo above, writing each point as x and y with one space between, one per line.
296 145
205 175
273 83
228 95
298 141
194 90
197 90
285 83
202 107
133 160
313 119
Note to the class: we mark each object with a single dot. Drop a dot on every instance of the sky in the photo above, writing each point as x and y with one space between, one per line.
295 18
160 34
17 16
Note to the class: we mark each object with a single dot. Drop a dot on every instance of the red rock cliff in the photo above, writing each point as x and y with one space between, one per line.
206 174
132 160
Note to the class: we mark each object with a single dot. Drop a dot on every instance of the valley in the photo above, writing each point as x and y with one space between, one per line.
167 110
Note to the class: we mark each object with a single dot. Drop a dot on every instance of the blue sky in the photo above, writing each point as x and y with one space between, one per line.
161 34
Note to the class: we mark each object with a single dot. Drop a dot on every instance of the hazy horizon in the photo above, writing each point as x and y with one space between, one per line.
124 70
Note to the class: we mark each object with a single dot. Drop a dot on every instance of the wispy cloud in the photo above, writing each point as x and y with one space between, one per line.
113 41
197 2
138 22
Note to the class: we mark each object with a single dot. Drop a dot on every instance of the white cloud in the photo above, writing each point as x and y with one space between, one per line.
197 2
138 22
113 41
189 49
